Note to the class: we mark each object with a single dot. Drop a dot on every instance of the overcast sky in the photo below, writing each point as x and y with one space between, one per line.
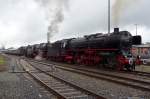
24 22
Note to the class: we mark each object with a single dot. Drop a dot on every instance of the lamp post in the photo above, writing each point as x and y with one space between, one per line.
136 28
108 16
48 35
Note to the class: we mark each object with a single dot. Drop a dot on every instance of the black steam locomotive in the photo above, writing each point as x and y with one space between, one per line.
109 50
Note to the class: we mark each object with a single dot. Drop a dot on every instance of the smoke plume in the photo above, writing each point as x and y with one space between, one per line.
55 13
118 8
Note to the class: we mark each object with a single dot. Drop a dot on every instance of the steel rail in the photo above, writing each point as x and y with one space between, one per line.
62 80
139 84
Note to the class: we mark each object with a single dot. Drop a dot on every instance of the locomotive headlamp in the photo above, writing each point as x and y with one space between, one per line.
131 61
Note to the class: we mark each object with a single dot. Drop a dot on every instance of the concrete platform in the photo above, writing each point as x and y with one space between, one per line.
143 68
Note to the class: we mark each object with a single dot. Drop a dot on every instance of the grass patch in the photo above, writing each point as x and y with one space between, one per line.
2 63
2 60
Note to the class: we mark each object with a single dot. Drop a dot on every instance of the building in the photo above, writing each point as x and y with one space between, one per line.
141 50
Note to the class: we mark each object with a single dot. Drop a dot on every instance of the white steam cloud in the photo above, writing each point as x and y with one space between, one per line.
55 14
119 7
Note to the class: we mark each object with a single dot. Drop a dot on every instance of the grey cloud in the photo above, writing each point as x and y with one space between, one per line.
89 17
137 14
22 22
25 22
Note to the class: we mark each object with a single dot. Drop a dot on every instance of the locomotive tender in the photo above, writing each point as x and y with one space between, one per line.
109 50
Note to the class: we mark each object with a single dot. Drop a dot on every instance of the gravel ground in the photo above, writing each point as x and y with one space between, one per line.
104 88
20 85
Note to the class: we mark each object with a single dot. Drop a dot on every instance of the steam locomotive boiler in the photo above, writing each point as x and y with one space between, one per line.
109 50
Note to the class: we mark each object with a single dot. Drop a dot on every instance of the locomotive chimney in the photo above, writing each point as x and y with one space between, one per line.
116 30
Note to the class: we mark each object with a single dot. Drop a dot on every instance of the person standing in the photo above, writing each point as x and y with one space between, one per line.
12 64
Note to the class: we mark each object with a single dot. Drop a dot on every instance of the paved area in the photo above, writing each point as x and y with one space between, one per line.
19 85
143 68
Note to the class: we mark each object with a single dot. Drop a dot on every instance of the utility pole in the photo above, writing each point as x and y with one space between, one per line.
48 35
108 16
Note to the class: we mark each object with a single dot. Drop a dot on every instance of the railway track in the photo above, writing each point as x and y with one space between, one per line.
135 83
146 74
58 86
140 73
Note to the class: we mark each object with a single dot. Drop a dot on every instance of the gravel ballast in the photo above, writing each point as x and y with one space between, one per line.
101 87
104 88
20 85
